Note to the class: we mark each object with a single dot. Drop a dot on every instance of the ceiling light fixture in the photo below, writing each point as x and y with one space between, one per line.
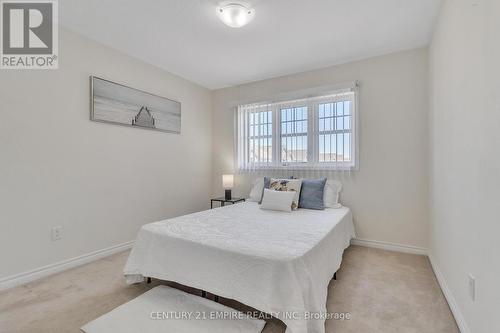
235 15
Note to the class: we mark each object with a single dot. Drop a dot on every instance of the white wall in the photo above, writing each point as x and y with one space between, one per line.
101 182
465 162
388 193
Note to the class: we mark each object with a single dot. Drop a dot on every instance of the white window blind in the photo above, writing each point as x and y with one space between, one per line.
309 133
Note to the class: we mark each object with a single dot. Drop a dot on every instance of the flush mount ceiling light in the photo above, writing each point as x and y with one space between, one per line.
235 15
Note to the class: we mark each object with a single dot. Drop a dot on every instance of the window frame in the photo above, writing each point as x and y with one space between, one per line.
277 110
260 137
353 163
313 133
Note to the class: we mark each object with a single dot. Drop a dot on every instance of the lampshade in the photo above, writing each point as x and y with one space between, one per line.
227 181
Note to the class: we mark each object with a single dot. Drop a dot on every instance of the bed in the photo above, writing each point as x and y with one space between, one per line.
277 262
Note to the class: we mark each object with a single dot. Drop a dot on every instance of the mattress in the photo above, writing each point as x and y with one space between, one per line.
277 262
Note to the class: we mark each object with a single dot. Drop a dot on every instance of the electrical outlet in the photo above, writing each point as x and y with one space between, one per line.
472 287
56 233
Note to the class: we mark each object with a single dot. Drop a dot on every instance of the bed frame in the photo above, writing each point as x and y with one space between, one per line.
216 298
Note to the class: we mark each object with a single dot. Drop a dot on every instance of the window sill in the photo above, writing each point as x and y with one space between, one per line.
298 167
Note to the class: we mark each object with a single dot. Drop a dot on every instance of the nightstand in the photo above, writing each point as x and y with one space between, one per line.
223 201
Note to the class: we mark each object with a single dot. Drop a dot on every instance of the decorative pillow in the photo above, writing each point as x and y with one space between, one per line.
256 192
267 181
277 200
288 185
311 194
331 194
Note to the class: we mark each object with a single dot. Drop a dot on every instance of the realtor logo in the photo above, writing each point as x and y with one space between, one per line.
29 35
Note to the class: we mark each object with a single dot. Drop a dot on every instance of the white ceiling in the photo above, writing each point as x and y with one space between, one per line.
185 37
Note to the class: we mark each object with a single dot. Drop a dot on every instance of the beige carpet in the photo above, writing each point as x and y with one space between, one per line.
382 291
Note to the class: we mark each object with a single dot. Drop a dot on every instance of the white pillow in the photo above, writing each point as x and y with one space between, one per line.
257 188
288 185
331 194
277 200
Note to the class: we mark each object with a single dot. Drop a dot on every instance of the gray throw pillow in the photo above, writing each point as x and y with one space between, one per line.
267 183
311 194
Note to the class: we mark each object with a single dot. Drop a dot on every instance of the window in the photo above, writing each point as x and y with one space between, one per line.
311 133
260 138
293 134
334 131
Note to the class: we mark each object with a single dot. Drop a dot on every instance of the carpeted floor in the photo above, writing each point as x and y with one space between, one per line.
382 292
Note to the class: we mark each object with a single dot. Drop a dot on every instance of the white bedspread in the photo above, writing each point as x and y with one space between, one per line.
275 262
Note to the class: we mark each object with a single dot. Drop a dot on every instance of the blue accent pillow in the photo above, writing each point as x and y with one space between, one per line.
311 194
267 183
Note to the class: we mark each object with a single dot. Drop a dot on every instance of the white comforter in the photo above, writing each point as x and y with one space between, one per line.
276 262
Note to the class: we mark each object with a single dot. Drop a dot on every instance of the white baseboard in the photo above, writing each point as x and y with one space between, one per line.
26 277
389 246
22 278
459 318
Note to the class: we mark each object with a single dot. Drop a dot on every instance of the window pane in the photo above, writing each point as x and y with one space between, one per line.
321 144
304 113
334 138
347 122
339 123
328 147
294 134
294 149
264 150
340 109
347 147
302 148
333 152
260 137
303 126
347 107
328 124
283 149
340 147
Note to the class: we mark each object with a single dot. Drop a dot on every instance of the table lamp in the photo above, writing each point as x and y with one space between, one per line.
228 183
